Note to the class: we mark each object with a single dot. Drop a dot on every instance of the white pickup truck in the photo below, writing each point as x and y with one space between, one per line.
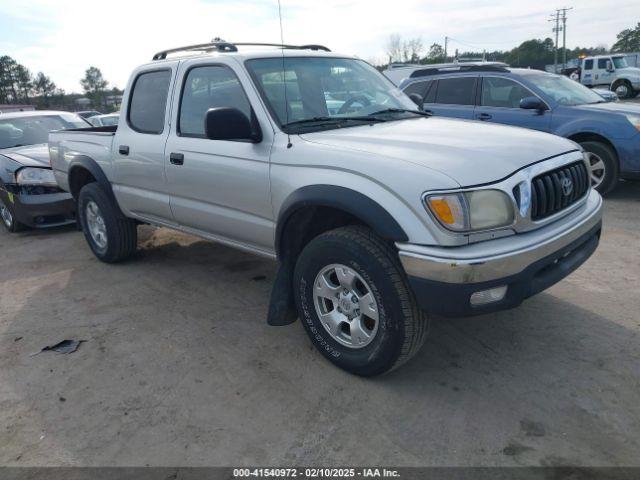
611 71
378 214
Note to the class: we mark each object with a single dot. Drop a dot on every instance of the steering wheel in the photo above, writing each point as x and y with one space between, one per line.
355 99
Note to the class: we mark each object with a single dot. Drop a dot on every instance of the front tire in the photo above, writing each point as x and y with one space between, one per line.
355 303
603 165
8 218
111 236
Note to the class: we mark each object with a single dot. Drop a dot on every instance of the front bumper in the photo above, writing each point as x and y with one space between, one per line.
443 279
40 210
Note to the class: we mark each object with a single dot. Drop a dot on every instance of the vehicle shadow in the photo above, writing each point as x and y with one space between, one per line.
178 353
625 190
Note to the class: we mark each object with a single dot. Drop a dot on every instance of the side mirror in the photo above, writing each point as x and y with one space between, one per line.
417 99
532 103
228 123
609 66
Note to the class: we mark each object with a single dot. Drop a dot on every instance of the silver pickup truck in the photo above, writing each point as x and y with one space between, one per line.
378 214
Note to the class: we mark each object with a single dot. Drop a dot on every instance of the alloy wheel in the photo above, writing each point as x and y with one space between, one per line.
346 306
7 218
597 169
96 225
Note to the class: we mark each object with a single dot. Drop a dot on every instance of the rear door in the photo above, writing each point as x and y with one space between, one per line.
452 97
219 188
138 148
500 103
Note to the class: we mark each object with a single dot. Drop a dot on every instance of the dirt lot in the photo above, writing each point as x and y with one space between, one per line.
179 367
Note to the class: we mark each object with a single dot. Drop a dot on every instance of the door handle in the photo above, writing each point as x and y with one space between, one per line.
176 158
428 111
485 116
123 150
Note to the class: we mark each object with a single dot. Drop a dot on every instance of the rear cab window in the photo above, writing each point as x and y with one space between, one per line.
148 102
588 64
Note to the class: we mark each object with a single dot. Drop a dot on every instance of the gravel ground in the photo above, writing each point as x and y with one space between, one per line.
179 367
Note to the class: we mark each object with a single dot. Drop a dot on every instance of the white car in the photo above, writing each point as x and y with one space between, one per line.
106 120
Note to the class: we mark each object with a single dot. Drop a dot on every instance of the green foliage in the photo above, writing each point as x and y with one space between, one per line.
94 86
628 40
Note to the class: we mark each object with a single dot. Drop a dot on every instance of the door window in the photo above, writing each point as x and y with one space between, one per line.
148 101
456 91
418 87
502 92
205 88
588 64
602 63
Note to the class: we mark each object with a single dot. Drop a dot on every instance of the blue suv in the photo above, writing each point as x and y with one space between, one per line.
608 132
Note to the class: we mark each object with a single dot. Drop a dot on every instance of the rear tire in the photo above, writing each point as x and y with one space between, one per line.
371 323
111 236
604 165
8 218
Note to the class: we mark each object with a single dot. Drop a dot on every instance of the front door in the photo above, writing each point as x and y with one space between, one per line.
218 188
500 103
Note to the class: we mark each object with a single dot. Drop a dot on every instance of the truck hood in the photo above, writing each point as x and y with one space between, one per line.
29 155
471 153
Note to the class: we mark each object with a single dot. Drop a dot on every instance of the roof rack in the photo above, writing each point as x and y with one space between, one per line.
222 46
460 67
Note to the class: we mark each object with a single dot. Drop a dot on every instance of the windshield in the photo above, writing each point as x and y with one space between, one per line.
322 92
620 62
34 129
564 91
110 120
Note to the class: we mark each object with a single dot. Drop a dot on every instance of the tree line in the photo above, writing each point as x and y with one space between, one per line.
535 53
19 86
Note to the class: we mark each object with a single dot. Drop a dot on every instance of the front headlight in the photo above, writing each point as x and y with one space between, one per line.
471 211
36 176
634 120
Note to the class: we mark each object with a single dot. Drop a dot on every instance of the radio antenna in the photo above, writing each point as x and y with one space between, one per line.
284 79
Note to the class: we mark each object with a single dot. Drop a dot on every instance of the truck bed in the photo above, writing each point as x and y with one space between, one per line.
80 144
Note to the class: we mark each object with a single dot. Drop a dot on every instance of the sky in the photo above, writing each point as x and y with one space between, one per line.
63 38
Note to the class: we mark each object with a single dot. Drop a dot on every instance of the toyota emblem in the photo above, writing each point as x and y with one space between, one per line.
567 186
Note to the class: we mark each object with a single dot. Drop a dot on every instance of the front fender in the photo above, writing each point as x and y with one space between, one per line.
345 199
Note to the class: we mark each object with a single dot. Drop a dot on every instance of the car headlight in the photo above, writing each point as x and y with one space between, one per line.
36 176
471 211
634 120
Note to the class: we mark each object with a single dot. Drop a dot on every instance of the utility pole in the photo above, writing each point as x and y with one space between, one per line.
555 18
564 36
446 41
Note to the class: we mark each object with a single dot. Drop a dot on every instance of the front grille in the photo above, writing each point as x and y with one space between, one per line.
555 190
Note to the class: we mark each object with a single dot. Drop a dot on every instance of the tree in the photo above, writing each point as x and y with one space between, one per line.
628 40
94 85
414 48
436 53
407 51
394 48
8 84
24 81
44 87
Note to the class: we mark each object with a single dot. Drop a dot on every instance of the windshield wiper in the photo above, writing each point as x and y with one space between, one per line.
330 120
399 110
